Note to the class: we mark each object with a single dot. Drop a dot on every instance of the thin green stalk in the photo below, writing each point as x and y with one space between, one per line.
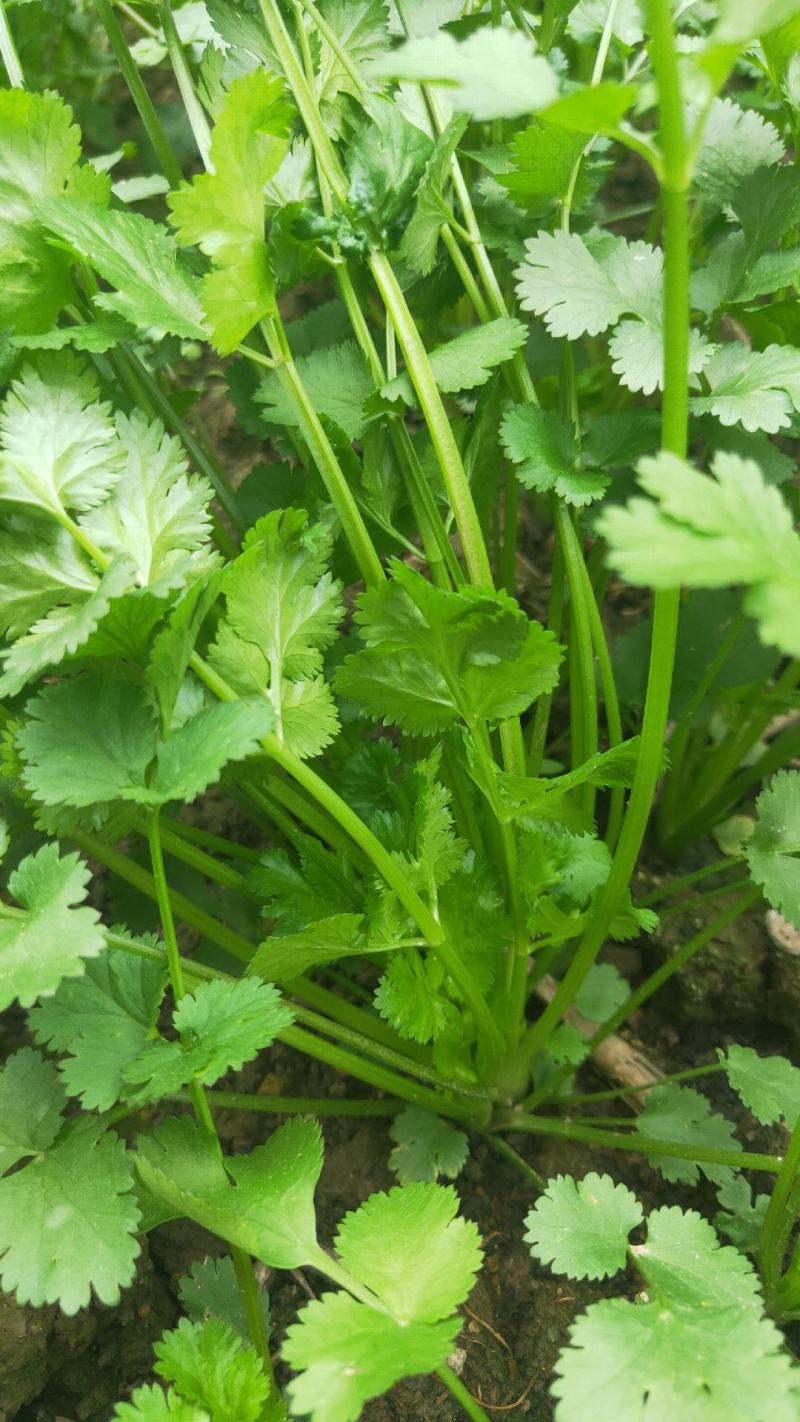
774 1232
674 787
465 1399
537 739
242 1262
674 417
144 106
618 1140
585 1097
324 455
608 687
462 267
8 52
297 1105
583 692
510 1154
205 839
441 433
690 905
192 107
686 881
204 863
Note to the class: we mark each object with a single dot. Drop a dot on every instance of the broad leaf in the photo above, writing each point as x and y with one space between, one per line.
768 1086
426 1146
31 1103
581 1227
211 1290
681 1114
494 73
466 361
55 931
772 850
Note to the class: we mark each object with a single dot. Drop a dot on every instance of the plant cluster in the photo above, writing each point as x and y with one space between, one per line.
445 797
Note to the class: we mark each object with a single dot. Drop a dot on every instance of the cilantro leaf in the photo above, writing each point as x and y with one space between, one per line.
56 932
466 361
756 389
772 850
153 1404
420 242
581 290
268 1210
681 1114
433 656
209 1366
385 160
210 1290
735 143
222 1025
282 957
122 992
138 258
493 73
57 438
543 157
409 1247
350 1353
768 1086
223 211
157 515
91 740
712 532
31 1102
361 29
39 147
40 568
742 1215
582 1227
338 382
603 989
426 1146
546 451
67 1221
283 609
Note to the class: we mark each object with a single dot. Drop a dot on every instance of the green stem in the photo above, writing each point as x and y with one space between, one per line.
251 1298
192 108
674 419
555 615
144 106
205 839
8 52
164 903
618 1140
686 881
774 1233
442 437
510 1154
583 689
779 753
676 1076
465 1399
324 455
610 702
296 1105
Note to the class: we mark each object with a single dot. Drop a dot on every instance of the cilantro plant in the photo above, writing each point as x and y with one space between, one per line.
394 235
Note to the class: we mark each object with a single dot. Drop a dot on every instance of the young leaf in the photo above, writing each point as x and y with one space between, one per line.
222 211
222 1025
269 1208
546 451
157 515
681 1114
772 850
153 1404
55 933
139 259
742 1215
735 143
768 1086
210 1290
39 147
59 452
426 1146
493 73
338 382
543 158
350 1353
91 741
756 389
420 242
210 1367
433 655
122 992
283 608
362 31
580 291
712 532
466 361
31 1102
385 160
67 1222
581 1227
282 957
409 1248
